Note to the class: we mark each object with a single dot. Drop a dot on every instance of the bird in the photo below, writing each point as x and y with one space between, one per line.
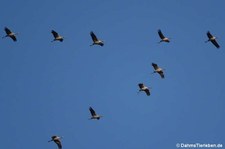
96 41
158 70
10 34
212 39
57 140
93 114
57 37
144 88
163 38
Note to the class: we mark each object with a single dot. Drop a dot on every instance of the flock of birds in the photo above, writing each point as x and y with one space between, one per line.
96 41
57 139
159 70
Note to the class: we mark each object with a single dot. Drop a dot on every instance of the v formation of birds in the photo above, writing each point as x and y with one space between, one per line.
96 41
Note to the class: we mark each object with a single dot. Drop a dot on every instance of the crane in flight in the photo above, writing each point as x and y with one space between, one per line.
57 140
212 39
163 38
94 115
144 88
95 40
10 34
158 70
57 37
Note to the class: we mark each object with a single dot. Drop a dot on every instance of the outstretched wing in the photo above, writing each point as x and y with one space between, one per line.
155 66
93 36
215 43
58 142
209 35
7 31
161 74
13 37
147 91
92 111
141 85
161 34
55 34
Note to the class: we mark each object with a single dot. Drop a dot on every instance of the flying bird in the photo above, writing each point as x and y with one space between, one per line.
212 39
163 38
56 139
144 88
93 114
57 37
96 41
158 70
10 34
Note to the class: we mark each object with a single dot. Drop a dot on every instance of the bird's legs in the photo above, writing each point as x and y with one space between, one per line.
5 36
207 41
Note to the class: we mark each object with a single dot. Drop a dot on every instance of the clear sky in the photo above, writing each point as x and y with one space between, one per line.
47 87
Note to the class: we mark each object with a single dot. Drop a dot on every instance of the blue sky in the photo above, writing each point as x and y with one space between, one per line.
46 88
